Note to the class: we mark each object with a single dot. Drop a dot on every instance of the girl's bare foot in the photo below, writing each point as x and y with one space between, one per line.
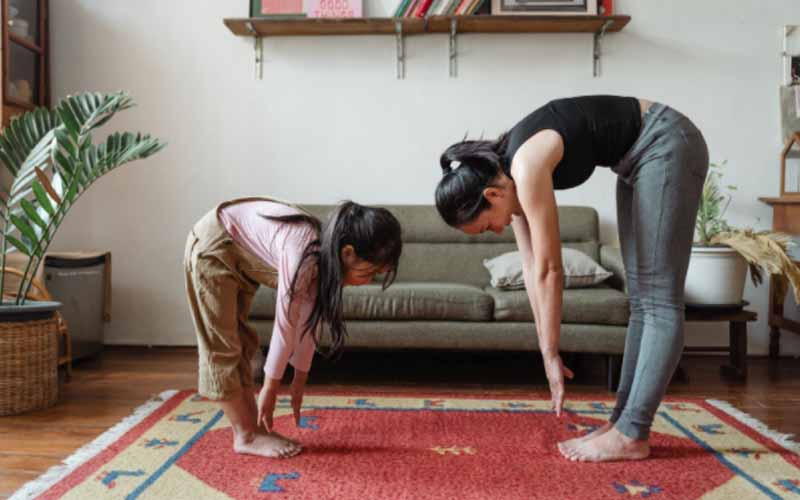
610 446
266 445
566 447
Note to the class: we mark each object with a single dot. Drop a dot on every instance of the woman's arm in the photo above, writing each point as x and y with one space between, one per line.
523 236
532 169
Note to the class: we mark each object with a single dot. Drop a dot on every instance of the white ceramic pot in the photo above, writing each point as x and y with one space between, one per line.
716 277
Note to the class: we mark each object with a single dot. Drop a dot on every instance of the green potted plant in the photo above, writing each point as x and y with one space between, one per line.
721 255
49 159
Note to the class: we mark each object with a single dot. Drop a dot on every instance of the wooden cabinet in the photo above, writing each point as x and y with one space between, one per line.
25 68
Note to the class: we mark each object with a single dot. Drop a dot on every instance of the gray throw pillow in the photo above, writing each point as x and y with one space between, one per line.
580 270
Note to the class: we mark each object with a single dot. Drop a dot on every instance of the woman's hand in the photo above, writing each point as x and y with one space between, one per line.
266 403
297 389
556 371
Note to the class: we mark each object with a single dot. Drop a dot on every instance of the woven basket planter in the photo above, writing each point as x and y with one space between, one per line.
28 357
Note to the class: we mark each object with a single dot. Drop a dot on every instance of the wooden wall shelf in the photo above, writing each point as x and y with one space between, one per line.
452 25
436 24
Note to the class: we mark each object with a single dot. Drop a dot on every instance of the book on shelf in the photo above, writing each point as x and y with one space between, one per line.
398 12
423 8
428 8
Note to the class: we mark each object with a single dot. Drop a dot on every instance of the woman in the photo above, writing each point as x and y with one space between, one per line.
661 160
246 242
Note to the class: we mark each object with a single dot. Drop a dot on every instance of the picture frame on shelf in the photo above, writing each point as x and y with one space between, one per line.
544 7
276 9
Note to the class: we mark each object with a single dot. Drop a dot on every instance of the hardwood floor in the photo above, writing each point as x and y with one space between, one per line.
106 389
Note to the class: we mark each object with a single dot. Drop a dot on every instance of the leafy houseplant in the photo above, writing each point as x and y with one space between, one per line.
722 254
49 159
52 160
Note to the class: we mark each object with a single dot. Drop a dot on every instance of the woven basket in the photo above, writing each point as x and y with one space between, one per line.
28 365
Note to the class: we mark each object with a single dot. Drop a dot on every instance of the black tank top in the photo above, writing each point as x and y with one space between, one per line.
596 130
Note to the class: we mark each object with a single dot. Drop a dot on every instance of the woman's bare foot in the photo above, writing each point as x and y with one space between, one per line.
566 447
610 446
266 445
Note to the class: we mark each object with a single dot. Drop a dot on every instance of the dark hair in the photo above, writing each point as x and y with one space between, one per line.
459 195
375 235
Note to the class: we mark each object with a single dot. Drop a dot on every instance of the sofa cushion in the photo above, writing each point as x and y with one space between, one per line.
401 301
580 270
418 301
600 305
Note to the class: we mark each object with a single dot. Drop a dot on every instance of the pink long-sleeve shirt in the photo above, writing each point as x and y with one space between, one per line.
280 246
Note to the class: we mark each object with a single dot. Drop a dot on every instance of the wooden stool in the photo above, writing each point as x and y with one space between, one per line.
736 369
737 317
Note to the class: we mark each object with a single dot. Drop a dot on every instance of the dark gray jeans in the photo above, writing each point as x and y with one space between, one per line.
658 192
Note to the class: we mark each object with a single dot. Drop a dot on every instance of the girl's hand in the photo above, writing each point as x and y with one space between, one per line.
556 371
297 389
266 403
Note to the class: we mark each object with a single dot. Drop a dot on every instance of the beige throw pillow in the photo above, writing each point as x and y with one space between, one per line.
580 270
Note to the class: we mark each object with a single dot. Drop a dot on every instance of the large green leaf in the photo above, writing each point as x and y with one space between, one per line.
64 164
43 199
24 228
18 245
85 112
34 216
65 142
121 148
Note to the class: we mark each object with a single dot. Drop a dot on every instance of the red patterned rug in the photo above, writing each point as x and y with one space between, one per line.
397 447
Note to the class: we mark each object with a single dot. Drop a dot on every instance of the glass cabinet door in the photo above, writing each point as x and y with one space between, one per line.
24 64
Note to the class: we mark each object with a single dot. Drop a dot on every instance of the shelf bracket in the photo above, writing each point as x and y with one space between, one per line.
401 50
453 49
598 46
258 46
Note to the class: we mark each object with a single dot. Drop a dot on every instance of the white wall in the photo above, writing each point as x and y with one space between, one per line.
330 121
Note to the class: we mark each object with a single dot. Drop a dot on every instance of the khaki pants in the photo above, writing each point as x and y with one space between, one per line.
221 281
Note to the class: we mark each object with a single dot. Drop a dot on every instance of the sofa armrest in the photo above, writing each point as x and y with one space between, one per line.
611 259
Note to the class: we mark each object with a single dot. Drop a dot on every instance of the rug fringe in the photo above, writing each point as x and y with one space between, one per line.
784 440
57 472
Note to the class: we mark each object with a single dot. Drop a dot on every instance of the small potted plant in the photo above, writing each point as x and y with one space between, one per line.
48 160
721 255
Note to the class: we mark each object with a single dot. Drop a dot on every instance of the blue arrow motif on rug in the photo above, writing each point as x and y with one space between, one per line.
308 423
270 483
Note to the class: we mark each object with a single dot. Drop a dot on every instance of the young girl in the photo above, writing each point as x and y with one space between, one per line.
661 160
246 242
